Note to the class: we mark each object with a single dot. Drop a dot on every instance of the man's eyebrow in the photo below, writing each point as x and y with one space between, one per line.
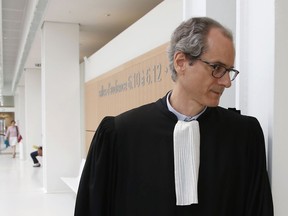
222 64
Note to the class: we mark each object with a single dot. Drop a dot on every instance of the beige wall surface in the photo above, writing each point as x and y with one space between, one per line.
137 82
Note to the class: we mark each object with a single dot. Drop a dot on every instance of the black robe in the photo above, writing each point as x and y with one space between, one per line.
129 169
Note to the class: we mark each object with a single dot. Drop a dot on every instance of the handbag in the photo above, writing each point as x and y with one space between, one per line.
19 137
6 142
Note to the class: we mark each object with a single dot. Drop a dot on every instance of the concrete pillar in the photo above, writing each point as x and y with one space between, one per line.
60 103
278 126
255 35
193 8
19 99
33 116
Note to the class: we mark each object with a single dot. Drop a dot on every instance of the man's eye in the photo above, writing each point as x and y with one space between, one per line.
217 67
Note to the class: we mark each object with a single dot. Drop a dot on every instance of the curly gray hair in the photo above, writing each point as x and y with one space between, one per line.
190 37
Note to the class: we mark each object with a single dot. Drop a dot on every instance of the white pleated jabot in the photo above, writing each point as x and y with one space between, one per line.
186 161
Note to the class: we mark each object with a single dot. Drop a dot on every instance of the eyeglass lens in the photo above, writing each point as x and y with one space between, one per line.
220 71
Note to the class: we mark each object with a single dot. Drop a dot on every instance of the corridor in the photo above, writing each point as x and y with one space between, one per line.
22 194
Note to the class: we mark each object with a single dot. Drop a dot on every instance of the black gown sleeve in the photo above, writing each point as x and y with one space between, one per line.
95 192
259 199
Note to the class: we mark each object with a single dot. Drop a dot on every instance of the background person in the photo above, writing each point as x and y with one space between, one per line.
35 154
12 135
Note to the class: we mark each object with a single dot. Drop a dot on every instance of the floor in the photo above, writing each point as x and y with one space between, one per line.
22 194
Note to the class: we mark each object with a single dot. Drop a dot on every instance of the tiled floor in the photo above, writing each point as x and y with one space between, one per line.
22 194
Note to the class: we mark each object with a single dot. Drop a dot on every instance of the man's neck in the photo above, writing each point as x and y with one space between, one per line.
185 105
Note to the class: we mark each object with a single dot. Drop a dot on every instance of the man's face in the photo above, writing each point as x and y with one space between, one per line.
196 81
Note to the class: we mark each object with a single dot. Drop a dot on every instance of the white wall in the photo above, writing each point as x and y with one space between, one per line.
151 31
82 111
256 57
255 53
279 123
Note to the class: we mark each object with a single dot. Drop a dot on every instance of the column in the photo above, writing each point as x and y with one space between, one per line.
19 99
255 53
193 8
60 104
278 125
33 120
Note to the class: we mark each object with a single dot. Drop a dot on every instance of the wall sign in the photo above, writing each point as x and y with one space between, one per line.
139 81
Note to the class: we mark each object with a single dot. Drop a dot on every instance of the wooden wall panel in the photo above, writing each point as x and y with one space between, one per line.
137 82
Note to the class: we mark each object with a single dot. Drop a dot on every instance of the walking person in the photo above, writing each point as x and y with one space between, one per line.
13 135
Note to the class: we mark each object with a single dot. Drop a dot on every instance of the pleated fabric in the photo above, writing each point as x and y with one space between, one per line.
186 161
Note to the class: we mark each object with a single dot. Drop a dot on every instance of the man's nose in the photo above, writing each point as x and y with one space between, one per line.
225 80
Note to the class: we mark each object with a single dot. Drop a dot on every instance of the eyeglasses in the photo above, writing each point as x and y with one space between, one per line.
219 70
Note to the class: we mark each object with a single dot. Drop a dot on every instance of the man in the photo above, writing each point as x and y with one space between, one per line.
182 155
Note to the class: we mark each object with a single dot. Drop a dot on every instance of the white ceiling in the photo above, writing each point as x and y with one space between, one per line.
100 21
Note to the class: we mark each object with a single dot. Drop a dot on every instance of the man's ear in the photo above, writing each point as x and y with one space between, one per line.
180 62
